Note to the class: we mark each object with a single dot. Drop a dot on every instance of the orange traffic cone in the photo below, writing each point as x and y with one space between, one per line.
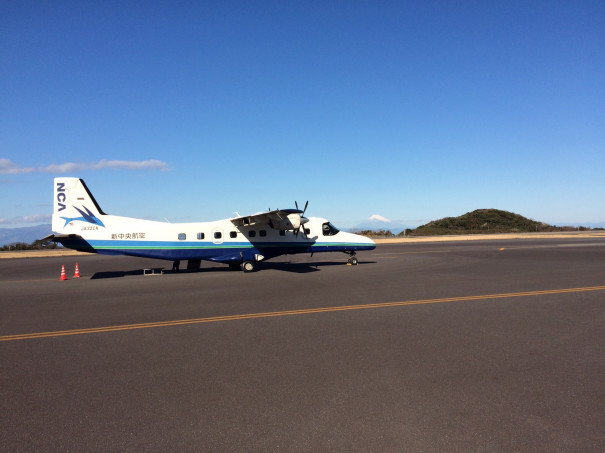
63 276
77 274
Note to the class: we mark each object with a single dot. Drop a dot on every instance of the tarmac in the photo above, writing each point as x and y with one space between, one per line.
493 345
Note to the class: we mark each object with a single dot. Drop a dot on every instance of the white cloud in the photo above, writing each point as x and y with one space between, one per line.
63 168
379 218
132 165
34 218
9 168
71 167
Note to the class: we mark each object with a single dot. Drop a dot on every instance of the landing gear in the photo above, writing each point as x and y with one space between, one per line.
248 266
352 259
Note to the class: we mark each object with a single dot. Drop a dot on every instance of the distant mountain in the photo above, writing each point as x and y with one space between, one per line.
483 221
377 222
24 234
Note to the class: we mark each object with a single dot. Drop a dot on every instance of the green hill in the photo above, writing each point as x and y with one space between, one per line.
481 221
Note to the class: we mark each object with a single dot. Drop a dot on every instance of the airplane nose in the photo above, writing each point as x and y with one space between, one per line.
364 240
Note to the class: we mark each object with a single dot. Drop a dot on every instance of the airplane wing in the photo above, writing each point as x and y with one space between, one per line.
279 219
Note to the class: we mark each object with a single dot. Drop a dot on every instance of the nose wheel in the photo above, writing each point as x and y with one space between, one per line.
352 259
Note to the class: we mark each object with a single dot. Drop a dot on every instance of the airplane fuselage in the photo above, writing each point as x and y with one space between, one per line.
80 224
219 241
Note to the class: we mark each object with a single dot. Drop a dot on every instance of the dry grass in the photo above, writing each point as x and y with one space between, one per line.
40 253
487 237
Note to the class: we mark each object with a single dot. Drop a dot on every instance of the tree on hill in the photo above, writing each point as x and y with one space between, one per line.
36 245
376 233
481 221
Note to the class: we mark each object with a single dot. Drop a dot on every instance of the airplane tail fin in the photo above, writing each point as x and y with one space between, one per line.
73 203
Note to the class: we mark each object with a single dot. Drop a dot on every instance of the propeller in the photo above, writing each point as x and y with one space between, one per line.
302 216
304 210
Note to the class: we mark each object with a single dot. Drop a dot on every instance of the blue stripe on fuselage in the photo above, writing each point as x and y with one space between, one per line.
171 250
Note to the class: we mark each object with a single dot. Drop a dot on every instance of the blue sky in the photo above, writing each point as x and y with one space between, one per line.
414 111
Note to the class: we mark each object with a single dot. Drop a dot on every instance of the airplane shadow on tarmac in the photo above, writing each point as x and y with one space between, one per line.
117 274
298 268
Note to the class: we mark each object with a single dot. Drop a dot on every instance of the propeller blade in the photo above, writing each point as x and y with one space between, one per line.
304 220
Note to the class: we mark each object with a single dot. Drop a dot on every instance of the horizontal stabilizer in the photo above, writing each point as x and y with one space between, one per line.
72 241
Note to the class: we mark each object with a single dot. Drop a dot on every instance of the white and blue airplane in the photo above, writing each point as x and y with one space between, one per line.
241 242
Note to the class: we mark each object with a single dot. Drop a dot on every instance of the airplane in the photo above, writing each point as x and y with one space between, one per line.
79 223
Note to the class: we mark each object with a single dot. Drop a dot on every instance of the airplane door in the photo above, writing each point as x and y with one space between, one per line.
217 235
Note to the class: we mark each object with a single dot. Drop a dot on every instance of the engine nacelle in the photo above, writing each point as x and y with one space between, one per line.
290 222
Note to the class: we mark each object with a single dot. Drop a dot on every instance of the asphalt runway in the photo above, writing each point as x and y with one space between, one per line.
482 346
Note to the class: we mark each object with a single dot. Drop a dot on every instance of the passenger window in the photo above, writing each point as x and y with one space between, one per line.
233 234
182 236
252 233
262 233
218 235
201 236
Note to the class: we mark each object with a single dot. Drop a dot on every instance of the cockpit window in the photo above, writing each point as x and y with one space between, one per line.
329 230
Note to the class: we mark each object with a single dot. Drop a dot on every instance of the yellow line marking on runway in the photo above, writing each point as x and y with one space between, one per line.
305 311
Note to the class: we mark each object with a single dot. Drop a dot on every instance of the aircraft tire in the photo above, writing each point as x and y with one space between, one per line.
353 261
248 266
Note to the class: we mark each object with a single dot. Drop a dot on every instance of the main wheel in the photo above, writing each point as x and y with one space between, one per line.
353 261
247 266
